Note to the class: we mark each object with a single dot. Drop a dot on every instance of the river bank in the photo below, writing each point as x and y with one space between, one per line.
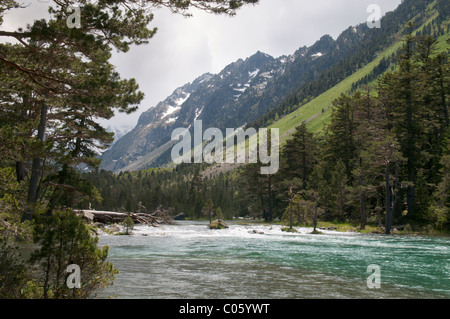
118 229
371 228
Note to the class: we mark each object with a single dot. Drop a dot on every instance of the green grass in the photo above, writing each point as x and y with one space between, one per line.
442 44
289 230
348 227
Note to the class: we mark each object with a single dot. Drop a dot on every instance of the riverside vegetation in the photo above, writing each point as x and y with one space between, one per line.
381 159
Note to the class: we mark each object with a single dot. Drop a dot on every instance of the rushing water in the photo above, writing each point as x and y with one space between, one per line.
190 261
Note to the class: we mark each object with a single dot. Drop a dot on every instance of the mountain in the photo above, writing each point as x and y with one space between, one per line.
262 90
242 92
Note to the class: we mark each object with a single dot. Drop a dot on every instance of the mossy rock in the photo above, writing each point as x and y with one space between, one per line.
218 224
316 232
289 230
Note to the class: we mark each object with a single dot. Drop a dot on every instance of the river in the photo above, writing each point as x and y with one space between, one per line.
190 261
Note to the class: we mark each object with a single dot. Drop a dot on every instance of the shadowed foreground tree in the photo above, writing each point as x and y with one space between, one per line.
64 239
56 81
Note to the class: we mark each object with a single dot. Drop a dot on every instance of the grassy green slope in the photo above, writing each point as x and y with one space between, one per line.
317 113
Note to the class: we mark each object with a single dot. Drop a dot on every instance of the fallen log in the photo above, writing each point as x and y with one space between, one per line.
141 218
104 217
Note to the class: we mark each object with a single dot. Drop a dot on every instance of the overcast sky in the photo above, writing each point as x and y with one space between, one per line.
185 48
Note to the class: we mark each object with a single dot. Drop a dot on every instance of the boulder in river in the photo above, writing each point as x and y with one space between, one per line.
254 231
218 224
181 216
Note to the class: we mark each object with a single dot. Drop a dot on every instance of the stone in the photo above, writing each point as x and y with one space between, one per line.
254 231
218 224
181 216
89 217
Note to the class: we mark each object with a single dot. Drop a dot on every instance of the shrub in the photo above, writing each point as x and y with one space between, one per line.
65 239
128 223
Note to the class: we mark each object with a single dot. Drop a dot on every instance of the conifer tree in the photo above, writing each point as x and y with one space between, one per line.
415 97
339 140
299 154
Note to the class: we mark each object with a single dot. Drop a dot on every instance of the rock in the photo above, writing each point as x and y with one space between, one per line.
89 217
218 224
254 231
115 228
328 228
181 216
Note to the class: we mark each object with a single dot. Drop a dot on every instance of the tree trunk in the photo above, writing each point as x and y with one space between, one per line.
315 219
270 215
36 165
395 192
388 203
362 198
21 171
411 134
290 216
341 202
362 207
442 91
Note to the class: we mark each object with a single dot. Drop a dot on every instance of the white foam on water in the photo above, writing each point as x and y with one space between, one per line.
186 230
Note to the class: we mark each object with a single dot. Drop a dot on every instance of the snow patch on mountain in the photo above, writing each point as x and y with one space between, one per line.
177 107
181 101
254 73
198 112
171 120
170 110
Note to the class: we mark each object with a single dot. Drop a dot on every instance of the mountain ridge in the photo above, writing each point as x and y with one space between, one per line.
258 90
240 93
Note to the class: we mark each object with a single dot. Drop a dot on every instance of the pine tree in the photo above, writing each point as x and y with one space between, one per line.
415 97
208 210
339 140
299 155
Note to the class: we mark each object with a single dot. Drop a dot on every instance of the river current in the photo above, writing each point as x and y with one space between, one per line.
253 261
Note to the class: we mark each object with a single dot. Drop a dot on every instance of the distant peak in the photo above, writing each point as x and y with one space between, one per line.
261 55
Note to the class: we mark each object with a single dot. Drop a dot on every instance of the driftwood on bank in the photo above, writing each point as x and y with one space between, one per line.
115 217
